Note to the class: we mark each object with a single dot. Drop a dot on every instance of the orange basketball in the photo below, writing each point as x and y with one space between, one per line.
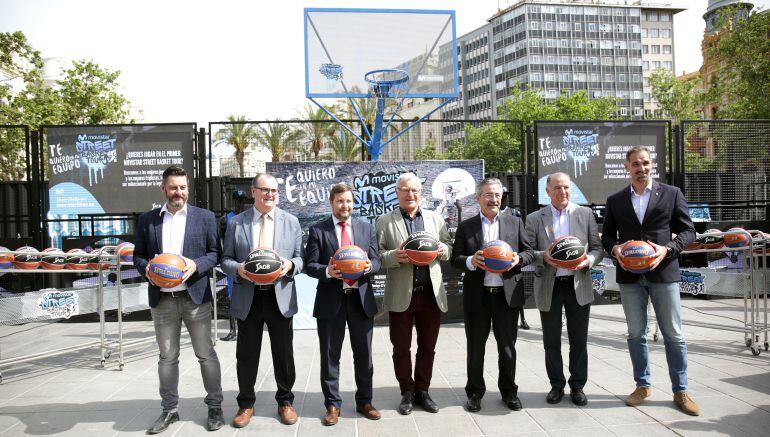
106 260
78 259
6 259
24 260
54 259
498 256
637 256
350 261
166 270
737 237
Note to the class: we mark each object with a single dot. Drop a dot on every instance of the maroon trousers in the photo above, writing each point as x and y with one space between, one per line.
423 313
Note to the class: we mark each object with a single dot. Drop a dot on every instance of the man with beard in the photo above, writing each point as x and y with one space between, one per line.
191 233
342 301
650 211
491 300
264 226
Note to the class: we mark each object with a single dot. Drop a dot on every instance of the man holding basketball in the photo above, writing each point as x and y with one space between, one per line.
650 211
414 295
191 233
556 288
491 300
339 301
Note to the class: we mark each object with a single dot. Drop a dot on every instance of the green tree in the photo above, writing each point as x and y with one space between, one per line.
238 134
317 129
345 146
276 137
88 95
741 87
678 99
427 152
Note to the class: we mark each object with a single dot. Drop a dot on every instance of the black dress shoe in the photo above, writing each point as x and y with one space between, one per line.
474 403
513 403
407 403
524 324
230 336
216 419
554 396
163 422
423 399
578 397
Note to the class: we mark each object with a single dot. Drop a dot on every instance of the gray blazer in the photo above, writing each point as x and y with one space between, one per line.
582 224
287 241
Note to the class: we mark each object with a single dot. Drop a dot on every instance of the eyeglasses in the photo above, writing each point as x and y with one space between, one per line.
266 190
409 190
492 196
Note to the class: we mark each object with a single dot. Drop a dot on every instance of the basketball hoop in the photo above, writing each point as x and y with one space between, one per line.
387 83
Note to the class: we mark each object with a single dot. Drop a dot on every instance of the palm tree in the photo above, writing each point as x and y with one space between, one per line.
276 137
345 146
238 134
317 129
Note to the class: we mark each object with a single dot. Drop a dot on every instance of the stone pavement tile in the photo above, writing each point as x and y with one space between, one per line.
642 429
441 425
73 423
583 432
757 399
9 421
706 427
504 422
756 422
313 427
610 412
403 426
551 419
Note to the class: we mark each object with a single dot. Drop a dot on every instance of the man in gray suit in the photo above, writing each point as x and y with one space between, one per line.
556 287
273 305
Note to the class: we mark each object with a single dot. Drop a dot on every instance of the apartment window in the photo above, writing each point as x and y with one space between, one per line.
564 43
550 59
645 65
535 42
636 94
646 97
606 60
620 28
609 77
578 27
636 77
655 65
637 111
580 77
563 26
665 16
655 49
620 61
548 25
604 27
578 60
620 45
593 60
577 43
645 49
654 33
624 111
534 25
645 81
550 77
665 33
667 49
564 60
592 27
634 12
633 28
565 77
550 43
668 65
605 44
652 16
537 76
552 94
644 32
621 77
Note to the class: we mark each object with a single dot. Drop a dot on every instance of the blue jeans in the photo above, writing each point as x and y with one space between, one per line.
168 317
665 302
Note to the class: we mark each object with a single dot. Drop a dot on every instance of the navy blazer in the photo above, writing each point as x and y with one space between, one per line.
667 213
469 239
201 245
321 245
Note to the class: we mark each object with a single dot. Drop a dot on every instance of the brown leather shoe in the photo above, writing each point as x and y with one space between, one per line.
638 396
242 417
686 403
369 411
332 416
288 414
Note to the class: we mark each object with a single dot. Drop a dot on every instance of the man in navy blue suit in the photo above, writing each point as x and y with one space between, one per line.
650 211
191 233
340 301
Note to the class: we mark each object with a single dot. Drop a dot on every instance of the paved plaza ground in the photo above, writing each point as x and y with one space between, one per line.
71 394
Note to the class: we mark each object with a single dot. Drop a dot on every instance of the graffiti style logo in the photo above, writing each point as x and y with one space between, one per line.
597 281
332 72
581 145
375 194
95 153
692 283
59 304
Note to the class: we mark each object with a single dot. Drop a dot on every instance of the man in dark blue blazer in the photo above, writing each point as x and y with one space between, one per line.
650 211
191 233
338 302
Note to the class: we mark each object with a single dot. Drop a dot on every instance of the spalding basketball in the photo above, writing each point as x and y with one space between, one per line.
695 245
350 261
567 252
26 261
78 259
711 241
126 252
636 256
761 243
498 256
106 260
421 248
54 259
737 237
6 259
166 270
263 266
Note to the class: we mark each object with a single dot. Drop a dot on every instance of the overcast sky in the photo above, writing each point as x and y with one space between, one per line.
200 60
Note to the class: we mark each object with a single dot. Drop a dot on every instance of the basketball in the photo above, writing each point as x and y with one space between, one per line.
263 266
78 259
106 260
711 241
567 252
761 243
126 252
421 248
695 245
498 256
166 270
350 261
636 256
6 259
737 237
54 260
25 261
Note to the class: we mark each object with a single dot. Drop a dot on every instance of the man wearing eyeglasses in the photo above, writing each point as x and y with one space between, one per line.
255 306
491 300
414 295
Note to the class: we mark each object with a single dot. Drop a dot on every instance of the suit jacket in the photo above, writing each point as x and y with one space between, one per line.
469 239
582 225
391 233
201 245
321 245
666 213
287 242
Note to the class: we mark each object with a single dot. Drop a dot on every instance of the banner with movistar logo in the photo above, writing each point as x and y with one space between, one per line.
593 153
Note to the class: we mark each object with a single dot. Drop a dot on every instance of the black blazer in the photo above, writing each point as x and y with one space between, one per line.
469 239
201 245
321 245
667 213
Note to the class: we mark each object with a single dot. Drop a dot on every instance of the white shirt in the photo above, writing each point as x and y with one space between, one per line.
560 226
640 202
490 231
173 236
256 227
338 233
